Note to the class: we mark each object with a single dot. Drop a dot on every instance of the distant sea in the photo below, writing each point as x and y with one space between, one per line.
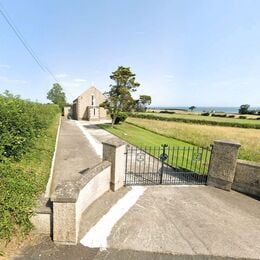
231 110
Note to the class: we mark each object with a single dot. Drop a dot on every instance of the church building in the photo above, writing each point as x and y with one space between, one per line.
86 106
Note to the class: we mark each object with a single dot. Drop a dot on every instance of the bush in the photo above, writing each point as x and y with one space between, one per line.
21 122
121 117
166 112
231 116
258 118
205 114
219 115
242 117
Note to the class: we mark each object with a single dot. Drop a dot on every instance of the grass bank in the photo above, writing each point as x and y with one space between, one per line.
198 119
21 183
203 135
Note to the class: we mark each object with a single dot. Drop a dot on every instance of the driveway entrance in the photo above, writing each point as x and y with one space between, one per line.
166 165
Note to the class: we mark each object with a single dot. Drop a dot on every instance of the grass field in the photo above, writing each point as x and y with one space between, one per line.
201 135
195 118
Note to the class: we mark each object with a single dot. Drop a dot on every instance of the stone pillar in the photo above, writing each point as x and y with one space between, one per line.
223 164
114 152
65 225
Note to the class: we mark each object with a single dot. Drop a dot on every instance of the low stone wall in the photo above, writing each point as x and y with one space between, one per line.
71 198
227 172
247 178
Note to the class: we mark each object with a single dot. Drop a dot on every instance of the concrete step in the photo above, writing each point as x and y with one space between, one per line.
42 218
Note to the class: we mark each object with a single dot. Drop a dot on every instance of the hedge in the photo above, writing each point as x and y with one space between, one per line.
21 122
27 139
195 121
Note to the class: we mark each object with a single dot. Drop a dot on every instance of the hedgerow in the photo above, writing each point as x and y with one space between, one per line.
27 140
195 121
21 122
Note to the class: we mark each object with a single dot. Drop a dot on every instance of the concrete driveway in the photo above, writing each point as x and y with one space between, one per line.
165 222
182 220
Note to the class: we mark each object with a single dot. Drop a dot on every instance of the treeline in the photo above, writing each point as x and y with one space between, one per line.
241 124
26 148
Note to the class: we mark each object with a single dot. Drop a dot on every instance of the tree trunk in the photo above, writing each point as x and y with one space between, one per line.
113 121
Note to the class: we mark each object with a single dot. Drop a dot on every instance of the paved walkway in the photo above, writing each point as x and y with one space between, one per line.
75 154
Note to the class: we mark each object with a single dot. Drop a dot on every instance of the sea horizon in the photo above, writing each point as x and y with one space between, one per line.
233 110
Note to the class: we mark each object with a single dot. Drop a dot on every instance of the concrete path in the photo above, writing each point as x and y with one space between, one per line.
99 134
181 220
75 154
168 222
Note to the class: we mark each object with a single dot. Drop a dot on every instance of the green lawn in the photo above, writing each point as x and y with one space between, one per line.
141 137
180 154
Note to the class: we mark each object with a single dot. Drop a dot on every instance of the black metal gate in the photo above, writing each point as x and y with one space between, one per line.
166 165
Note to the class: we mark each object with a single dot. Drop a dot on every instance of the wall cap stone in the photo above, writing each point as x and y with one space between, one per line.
65 192
68 191
88 175
227 142
115 142
249 163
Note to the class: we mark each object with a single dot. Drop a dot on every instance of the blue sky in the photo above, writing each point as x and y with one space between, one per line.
183 52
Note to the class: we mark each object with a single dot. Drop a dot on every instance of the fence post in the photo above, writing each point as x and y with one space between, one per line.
114 152
223 164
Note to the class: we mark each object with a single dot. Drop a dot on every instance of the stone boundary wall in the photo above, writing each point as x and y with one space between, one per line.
247 178
71 198
227 172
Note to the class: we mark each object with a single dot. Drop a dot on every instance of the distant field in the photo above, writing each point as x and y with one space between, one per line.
195 118
201 135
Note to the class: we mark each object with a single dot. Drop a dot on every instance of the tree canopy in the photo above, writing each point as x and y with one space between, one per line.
57 96
243 109
192 108
143 102
119 98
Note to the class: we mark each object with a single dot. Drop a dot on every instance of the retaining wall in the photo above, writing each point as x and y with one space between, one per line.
71 198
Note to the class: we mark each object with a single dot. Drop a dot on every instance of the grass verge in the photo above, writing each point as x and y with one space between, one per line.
22 182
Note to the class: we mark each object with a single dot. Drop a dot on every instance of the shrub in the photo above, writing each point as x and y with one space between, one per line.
218 115
231 116
166 112
21 122
121 117
205 114
242 117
